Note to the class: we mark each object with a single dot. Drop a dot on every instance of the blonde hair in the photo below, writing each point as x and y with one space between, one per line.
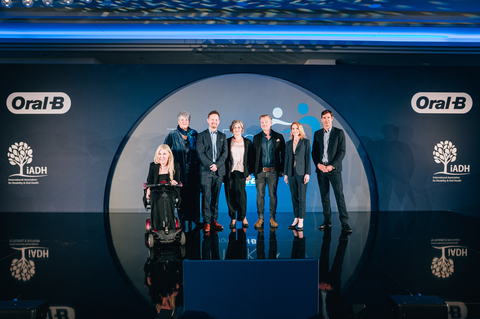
170 163
300 128
235 122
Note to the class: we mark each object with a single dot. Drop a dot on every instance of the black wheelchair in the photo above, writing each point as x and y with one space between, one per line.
163 235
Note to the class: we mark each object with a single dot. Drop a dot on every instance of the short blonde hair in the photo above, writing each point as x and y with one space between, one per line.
171 164
235 122
300 128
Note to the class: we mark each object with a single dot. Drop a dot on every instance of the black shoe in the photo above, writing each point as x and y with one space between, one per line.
232 226
292 226
346 228
325 226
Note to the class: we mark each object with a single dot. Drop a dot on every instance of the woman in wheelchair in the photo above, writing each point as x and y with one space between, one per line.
163 169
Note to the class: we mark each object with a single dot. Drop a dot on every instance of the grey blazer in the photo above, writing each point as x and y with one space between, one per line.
302 157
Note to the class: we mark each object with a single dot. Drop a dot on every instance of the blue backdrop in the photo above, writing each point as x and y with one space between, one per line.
412 160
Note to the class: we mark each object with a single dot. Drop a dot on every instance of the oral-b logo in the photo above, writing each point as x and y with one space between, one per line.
441 103
38 103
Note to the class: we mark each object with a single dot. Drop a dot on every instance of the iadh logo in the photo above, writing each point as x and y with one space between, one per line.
23 269
21 154
446 153
443 267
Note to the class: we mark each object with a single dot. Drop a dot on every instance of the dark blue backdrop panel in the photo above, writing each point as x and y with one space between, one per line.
72 153
270 288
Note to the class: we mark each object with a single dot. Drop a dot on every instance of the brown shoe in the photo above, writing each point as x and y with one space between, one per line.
216 225
206 228
259 223
273 223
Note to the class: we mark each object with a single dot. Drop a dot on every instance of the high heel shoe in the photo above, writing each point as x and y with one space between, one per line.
293 226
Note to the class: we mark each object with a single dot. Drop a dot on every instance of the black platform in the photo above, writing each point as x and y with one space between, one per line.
92 265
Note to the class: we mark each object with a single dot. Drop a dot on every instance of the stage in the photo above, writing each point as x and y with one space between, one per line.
94 265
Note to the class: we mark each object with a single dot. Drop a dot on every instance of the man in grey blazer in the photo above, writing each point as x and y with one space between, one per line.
328 152
212 152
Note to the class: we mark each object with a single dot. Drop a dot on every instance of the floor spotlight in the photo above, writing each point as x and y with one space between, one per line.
68 1
7 3
27 3
88 1
47 2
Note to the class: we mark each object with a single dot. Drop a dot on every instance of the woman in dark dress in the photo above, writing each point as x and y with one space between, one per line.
297 172
183 142
238 165
163 169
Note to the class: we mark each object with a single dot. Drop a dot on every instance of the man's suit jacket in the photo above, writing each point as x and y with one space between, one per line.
278 151
336 148
205 152
302 157
248 156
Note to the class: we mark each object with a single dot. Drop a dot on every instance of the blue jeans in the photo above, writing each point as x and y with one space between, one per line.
262 179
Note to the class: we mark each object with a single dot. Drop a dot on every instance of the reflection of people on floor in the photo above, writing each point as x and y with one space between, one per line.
163 277
298 247
210 249
331 298
237 244
272 250
192 244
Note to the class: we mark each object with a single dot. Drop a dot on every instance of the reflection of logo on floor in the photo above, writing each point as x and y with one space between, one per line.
443 267
23 269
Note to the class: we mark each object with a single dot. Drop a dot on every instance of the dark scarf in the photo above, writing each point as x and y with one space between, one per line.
190 133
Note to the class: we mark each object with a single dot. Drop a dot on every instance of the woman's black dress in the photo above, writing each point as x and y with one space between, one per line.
163 198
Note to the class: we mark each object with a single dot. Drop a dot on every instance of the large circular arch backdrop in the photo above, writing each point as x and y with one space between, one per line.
245 97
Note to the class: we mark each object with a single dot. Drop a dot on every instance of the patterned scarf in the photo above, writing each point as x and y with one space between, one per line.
192 139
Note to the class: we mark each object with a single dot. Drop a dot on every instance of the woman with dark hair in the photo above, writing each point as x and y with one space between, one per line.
183 142
297 171
163 169
238 166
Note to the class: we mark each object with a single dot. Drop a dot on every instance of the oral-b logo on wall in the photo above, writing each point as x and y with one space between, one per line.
38 103
441 103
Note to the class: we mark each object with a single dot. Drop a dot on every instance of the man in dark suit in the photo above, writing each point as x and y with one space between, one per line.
327 153
212 152
269 149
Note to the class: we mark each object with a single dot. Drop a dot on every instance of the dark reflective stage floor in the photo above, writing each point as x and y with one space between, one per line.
95 265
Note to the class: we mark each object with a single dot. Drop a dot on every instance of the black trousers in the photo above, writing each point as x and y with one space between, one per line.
236 195
211 185
324 181
298 191
163 209
190 207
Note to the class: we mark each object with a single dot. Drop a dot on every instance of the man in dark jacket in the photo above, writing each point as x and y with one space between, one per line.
327 153
269 149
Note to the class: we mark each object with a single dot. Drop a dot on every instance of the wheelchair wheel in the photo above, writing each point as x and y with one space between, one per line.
150 241
151 254
183 239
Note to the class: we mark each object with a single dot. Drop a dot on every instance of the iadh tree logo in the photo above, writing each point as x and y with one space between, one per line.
21 154
445 152
442 267
23 269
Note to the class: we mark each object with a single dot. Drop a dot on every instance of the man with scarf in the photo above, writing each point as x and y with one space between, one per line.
183 142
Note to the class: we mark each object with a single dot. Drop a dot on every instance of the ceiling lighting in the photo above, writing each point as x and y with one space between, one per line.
27 3
7 3
47 2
